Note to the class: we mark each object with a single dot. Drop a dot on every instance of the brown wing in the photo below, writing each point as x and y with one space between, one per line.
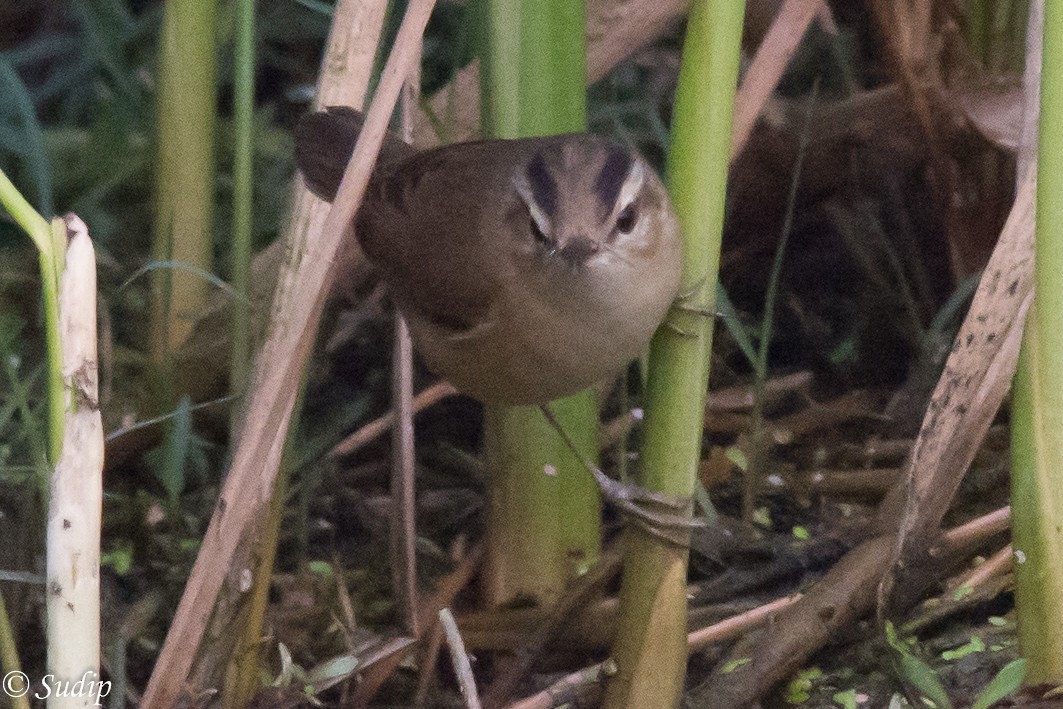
441 226
428 225
437 223
324 142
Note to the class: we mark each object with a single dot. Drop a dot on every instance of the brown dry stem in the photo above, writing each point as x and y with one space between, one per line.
296 312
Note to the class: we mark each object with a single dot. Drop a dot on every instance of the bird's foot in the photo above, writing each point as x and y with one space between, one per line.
663 516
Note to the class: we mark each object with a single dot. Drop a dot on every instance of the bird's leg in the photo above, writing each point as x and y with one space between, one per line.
663 516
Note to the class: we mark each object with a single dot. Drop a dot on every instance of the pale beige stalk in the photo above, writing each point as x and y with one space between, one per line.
75 505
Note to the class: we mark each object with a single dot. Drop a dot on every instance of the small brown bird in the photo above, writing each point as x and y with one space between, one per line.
527 269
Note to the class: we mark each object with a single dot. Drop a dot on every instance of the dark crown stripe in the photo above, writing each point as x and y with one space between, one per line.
543 186
611 178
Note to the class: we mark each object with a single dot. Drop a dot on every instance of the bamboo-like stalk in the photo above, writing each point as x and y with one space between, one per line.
243 671
50 240
344 80
185 181
243 202
650 650
76 502
301 296
544 512
1037 441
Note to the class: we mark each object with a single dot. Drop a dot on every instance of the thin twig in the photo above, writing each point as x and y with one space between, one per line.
257 457
374 429
462 667
446 591
582 589
740 624
403 533
994 565
972 533
587 681
772 57
428 665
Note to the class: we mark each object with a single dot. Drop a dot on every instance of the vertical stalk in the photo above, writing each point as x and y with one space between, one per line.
344 79
650 649
185 191
544 512
243 673
50 240
243 159
1037 418
75 504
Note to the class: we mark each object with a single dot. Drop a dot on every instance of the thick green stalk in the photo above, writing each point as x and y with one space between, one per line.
650 649
185 190
50 240
544 514
242 673
51 265
1037 418
243 137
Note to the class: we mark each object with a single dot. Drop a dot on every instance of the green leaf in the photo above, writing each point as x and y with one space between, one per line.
916 672
898 702
120 559
734 326
169 461
762 516
1004 683
847 699
799 690
321 568
972 646
735 664
284 678
922 676
737 456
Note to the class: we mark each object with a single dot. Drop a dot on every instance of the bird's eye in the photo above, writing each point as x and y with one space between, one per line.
625 221
539 235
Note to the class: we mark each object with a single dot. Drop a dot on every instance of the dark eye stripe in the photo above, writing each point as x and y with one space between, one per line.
611 178
543 186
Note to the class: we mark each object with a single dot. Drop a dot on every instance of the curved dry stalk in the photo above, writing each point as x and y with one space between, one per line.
301 297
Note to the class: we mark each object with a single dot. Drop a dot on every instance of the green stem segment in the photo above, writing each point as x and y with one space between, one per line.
185 193
243 135
1037 434
544 517
650 649
50 240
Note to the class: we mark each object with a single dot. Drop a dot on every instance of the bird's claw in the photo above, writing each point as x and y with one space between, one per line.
671 521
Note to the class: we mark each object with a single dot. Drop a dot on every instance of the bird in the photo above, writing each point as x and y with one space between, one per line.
527 269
